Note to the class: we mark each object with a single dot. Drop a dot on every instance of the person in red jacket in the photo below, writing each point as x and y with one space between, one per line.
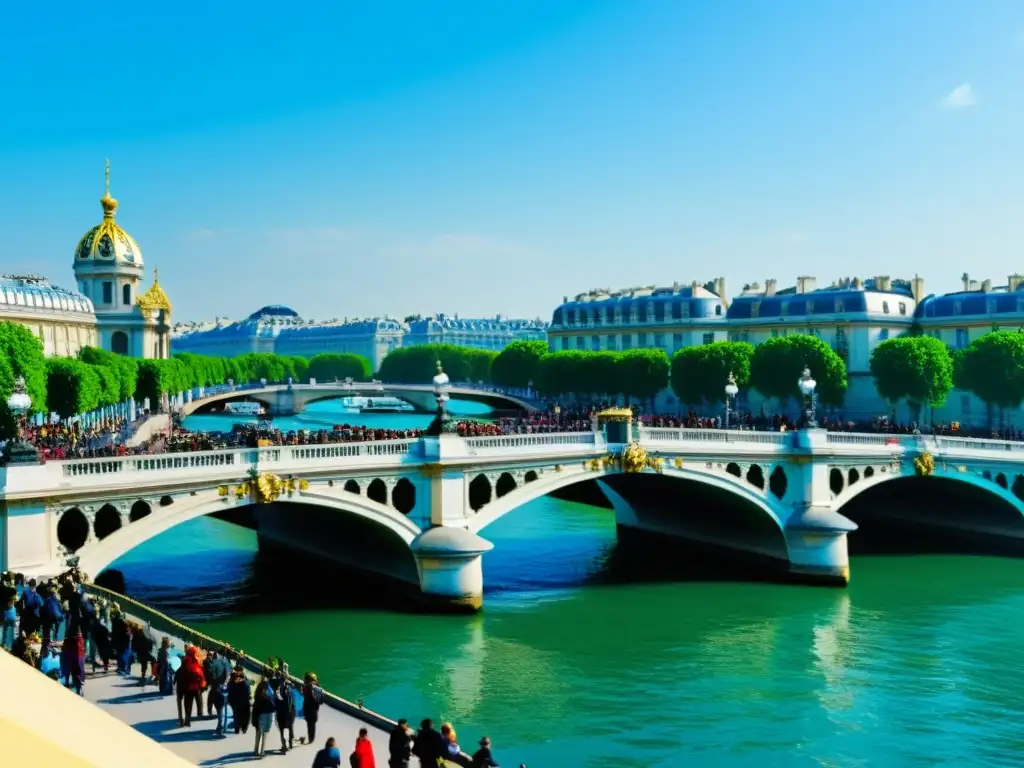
190 684
363 755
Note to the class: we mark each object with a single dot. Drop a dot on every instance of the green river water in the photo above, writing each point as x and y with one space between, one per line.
917 663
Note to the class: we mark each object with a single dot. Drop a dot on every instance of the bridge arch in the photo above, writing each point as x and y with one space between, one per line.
770 512
96 555
946 500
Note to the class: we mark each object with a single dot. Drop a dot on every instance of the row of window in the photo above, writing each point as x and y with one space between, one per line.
43 300
108 292
781 307
619 343
612 315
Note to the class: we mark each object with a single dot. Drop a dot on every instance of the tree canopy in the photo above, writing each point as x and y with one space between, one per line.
72 387
418 364
992 367
329 366
516 364
777 364
918 369
700 373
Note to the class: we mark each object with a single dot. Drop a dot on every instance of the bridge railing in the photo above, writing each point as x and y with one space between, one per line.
541 442
277 457
977 444
865 438
685 435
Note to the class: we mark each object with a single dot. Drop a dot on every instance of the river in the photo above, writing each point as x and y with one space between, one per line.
915 664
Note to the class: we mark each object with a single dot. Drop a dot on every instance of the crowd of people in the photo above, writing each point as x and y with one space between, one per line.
105 438
57 627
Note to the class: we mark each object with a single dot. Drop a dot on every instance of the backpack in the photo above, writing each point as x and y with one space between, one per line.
353 760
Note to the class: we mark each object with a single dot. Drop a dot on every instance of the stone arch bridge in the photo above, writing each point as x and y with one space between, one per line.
417 510
289 399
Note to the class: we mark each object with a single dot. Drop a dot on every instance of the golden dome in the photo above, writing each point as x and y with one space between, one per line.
107 241
154 298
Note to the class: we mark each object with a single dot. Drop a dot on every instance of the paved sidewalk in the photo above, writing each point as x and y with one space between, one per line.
156 716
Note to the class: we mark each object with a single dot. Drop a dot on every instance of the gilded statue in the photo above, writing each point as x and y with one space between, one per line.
924 465
634 458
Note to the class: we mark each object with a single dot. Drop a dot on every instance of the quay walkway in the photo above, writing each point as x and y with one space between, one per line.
156 716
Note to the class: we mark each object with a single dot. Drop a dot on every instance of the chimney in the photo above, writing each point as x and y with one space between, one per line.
917 288
693 288
565 299
1013 282
986 286
967 281
858 284
675 285
770 286
720 290
805 284
883 283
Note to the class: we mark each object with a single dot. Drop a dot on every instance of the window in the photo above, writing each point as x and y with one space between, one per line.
580 342
595 343
611 343
958 307
709 338
783 309
565 342
883 335
840 306
572 317
627 340
659 312
677 340
755 309
641 339
885 307
126 294
718 309
775 333
962 338
903 307
659 340
609 315
108 293
810 307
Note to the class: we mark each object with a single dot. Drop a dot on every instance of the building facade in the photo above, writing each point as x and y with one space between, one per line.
280 329
851 315
494 333
108 311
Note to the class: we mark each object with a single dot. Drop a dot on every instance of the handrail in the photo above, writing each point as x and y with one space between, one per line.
204 641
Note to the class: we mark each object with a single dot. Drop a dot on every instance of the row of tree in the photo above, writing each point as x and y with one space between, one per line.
920 370
418 365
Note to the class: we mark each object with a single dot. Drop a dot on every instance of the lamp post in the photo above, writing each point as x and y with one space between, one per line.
442 422
731 390
807 386
18 450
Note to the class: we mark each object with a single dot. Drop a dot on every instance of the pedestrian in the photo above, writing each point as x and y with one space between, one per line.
284 706
428 746
400 745
483 758
362 756
190 684
312 698
262 714
240 699
329 756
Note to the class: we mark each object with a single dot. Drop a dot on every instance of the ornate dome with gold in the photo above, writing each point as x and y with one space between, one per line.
107 242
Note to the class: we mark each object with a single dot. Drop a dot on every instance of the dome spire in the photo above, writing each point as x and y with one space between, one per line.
109 204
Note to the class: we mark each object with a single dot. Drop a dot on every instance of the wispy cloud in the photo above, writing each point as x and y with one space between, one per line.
960 97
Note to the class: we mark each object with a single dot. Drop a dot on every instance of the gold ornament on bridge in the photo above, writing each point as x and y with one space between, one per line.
924 465
634 458
297 485
222 490
268 487
678 462
610 461
594 465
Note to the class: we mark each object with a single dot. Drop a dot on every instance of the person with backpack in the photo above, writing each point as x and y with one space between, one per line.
329 756
362 755
312 698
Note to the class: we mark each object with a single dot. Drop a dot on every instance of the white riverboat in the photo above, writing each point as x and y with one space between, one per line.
244 408
375 405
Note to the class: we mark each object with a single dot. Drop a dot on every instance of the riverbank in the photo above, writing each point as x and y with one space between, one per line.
155 715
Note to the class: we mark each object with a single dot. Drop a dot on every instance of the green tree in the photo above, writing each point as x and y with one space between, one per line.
125 368
24 353
918 369
992 367
699 374
418 364
108 386
300 368
516 364
72 387
155 378
329 366
642 373
777 364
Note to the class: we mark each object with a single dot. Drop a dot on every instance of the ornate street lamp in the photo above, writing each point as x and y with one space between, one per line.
18 450
442 423
807 386
731 390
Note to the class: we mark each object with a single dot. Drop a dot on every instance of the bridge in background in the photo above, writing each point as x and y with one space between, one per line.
289 399
416 510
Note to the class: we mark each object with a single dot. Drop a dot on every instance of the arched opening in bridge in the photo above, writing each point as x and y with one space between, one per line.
166 501
852 476
778 482
72 529
119 342
108 520
139 510
914 514
734 469
479 492
530 476
403 497
377 491
835 481
869 472
506 483
352 487
1018 487
1001 480
755 476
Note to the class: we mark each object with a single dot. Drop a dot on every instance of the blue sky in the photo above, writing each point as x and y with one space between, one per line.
355 159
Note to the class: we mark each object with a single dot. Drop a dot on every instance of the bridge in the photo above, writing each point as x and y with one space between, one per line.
417 510
289 399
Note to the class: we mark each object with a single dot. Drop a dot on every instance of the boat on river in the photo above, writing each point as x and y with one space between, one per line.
244 408
376 405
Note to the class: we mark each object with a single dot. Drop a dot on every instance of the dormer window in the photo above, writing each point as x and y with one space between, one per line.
991 306
885 307
840 306
755 309
903 307
810 307
784 309
958 307
718 309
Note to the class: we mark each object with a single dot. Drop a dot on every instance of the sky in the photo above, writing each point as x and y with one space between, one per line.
368 159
